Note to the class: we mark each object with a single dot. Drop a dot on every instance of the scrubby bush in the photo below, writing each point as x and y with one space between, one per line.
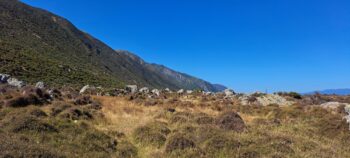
231 121
179 142
154 134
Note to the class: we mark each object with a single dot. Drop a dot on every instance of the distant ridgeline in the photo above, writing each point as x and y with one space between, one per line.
332 91
38 45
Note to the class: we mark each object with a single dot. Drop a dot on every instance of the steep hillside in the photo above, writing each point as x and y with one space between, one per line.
38 45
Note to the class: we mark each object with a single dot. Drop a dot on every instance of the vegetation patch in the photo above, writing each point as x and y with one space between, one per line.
154 134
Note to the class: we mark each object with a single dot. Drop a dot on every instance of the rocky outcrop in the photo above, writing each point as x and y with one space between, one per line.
264 100
229 92
4 78
16 83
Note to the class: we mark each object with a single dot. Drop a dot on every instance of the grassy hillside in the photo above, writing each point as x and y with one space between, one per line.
37 45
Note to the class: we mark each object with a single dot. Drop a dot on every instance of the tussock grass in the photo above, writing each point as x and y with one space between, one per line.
194 127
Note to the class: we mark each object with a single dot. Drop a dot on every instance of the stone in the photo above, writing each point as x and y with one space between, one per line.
229 92
181 91
156 92
15 82
144 90
131 88
83 90
189 91
208 93
4 78
347 117
40 85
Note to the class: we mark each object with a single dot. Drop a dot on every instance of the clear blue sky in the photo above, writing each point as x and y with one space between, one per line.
248 45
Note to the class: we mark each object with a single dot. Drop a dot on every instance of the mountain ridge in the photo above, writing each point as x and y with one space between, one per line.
35 42
340 91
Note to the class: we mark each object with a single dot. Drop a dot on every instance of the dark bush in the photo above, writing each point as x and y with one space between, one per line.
76 114
83 100
25 123
37 112
179 142
152 134
231 121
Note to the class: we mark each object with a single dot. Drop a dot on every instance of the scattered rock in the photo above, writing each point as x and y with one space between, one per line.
15 82
189 91
229 92
208 93
40 85
265 99
156 92
347 117
131 88
4 78
181 91
54 93
167 90
144 90
83 90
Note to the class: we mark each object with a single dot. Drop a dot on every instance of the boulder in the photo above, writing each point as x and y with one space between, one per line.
156 92
181 91
208 93
189 91
83 90
144 90
15 82
229 92
40 85
131 88
347 117
4 78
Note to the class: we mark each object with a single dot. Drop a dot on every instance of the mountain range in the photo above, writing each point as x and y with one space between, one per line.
36 45
332 91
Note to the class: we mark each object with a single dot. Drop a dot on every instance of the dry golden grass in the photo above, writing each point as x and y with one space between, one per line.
187 126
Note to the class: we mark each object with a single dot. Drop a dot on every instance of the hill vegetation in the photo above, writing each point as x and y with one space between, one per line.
38 45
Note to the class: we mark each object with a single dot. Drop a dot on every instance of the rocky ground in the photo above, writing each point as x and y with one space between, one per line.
39 121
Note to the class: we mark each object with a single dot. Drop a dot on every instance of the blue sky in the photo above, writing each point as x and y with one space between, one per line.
248 45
